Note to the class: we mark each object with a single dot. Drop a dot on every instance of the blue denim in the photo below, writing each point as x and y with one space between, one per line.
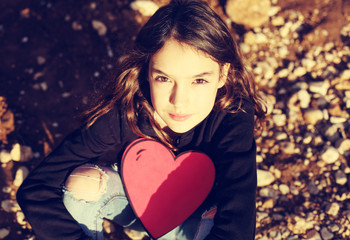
113 205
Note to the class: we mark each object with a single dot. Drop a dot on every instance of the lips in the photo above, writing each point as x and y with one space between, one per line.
179 117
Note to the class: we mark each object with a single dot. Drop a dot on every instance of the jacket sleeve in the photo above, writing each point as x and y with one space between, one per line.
40 195
235 192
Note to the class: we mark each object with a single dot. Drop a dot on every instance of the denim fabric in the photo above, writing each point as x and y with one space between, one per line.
113 205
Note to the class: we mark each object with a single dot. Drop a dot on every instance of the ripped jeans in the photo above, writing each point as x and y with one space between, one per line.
94 193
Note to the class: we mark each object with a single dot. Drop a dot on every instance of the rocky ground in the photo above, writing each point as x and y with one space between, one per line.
56 54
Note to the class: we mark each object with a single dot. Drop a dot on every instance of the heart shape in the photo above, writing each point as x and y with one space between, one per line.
162 189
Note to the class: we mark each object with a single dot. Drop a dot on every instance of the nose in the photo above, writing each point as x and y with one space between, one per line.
179 96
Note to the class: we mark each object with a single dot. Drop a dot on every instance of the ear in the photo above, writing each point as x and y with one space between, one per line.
223 74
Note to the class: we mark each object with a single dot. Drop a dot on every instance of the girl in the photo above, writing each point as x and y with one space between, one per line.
184 85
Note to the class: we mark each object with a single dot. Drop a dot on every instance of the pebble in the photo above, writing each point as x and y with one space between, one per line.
5 156
99 26
343 146
313 235
280 120
21 153
284 189
265 178
146 7
313 189
313 116
329 155
332 132
301 225
340 177
309 64
268 193
40 60
277 21
333 209
251 13
4 232
21 174
9 206
20 218
304 98
320 87
300 71
77 26
326 234
288 148
336 120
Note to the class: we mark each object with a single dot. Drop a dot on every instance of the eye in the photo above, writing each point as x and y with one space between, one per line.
161 79
200 81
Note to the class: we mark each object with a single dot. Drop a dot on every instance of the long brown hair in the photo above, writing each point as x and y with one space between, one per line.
193 23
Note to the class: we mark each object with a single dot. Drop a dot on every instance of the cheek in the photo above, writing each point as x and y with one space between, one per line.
158 97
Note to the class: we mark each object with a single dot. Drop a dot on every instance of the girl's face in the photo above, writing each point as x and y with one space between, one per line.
183 83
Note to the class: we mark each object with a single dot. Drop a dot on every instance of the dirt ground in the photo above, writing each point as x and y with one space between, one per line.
53 61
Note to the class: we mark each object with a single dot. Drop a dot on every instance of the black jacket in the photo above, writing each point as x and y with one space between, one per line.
227 138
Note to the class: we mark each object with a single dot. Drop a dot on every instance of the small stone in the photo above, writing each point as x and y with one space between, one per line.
265 178
313 235
268 193
304 98
21 174
283 73
334 227
329 155
309 64
300 71
283 52
343 146
301 225
260 38
268 204
313 116
6 189
76 26
288 148
345 74
261 215
10 206
285 30
275 235
21 153
340 177
4 232
100 27
145 7
320 87
326 234
333 209
280 120
277 21
5 156
332 132
251 13
21 218
284 189
40 60
277 217
336 120
313 189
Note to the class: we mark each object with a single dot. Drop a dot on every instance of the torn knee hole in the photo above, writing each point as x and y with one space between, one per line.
87 183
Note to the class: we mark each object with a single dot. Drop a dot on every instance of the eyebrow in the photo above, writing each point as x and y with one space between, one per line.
203 74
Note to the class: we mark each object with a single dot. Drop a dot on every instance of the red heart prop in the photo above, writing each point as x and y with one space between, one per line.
162 189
